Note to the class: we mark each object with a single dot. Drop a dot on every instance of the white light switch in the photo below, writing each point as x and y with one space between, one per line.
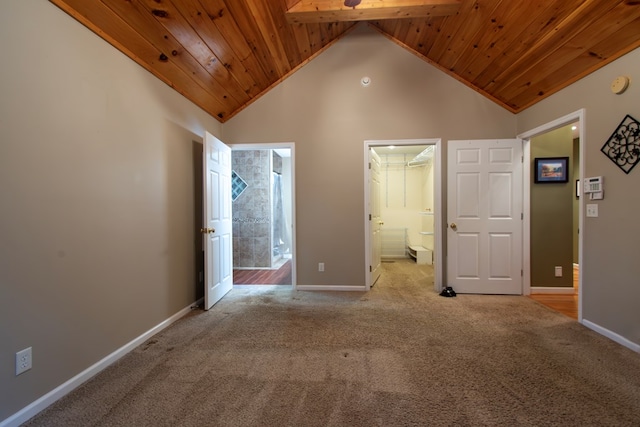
592 210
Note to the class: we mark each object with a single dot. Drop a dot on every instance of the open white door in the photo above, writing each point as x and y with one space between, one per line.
218 249
484 236
375 220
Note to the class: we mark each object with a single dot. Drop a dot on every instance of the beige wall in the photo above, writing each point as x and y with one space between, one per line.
97 206
610 266
325 111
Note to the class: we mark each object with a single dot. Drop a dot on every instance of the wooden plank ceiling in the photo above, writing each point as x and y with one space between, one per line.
224 54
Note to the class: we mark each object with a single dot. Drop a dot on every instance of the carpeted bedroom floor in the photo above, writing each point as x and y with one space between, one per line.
399 355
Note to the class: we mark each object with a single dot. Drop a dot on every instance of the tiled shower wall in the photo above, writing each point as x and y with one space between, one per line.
252 209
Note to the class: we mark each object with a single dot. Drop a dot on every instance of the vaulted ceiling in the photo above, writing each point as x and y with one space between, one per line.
224 54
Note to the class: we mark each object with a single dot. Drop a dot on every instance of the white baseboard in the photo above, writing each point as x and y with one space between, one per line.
42 403
552 290
612 336
329 288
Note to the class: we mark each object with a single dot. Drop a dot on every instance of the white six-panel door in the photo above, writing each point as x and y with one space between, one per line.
484 208
218 225
375 219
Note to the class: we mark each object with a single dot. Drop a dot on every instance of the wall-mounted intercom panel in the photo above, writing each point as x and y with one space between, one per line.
594 187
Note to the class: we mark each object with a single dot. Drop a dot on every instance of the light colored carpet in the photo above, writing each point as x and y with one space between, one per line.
399 355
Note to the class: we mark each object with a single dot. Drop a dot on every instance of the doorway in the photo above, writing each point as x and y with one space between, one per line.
263 214
576 172
409 199
554 222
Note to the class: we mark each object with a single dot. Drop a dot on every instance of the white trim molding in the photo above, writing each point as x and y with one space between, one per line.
552 290
62 390
612 336
343 288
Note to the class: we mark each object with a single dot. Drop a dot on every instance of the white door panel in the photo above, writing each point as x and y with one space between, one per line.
468 249
468 195
218 221
500 255
484 209
500 195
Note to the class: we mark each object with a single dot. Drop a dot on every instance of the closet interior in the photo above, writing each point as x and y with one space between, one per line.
407 202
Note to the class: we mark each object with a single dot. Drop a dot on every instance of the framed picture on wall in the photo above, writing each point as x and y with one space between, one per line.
551 169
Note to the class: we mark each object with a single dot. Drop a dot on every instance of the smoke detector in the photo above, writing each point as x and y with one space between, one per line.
619 85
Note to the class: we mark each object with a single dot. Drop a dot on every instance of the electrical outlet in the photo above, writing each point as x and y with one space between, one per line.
321 266
558 271
23 361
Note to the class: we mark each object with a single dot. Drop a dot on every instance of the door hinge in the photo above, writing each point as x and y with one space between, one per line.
370 269
369 165
521 159
369 217
521 215
521 273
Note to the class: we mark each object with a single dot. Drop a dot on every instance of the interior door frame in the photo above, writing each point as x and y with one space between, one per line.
287 146
375 223
577 116
439 257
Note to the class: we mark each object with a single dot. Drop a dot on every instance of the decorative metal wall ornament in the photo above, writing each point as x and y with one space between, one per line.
623 147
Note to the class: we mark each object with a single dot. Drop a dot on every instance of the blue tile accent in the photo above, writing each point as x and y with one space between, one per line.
238 185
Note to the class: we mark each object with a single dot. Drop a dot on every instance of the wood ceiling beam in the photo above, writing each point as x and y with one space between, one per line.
318 11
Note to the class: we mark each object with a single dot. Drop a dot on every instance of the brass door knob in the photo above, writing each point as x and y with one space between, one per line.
207 230
453 226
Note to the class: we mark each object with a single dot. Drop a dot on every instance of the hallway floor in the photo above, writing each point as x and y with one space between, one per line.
564 303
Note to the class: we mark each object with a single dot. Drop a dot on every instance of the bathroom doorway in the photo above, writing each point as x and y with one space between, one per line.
263 214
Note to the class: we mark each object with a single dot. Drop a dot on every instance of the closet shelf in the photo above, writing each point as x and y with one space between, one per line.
421 255
427 213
